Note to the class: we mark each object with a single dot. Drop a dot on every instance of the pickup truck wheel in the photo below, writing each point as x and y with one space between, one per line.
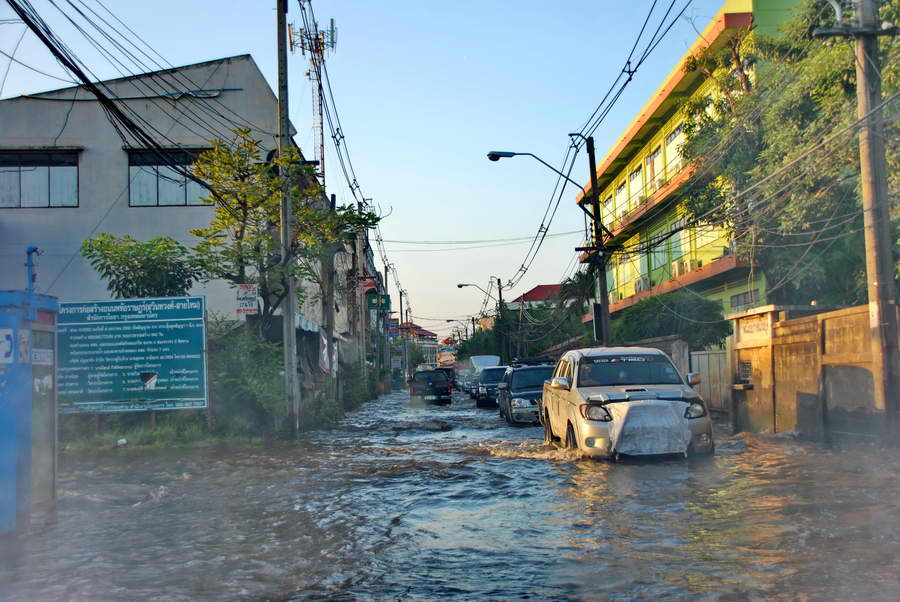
548 431
570 438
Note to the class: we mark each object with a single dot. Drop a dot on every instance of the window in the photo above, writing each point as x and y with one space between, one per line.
153 182
636 182
607 210
621 201
659 256
654 169
744 300
38 179
636 369
673 149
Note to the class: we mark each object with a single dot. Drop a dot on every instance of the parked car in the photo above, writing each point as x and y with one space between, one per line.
615 401
519 393
463 378
488 379
430 386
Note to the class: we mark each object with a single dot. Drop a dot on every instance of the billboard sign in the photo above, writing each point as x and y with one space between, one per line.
132 355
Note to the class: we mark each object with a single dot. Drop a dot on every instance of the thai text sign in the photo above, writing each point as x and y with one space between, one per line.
132 355
246 300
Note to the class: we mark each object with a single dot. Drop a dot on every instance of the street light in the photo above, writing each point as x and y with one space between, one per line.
478 287
497 155
601 310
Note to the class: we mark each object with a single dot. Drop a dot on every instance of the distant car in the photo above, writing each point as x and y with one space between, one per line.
430 386
450 372
488 379
624 401
519 393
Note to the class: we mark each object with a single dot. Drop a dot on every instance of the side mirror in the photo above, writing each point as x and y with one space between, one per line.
502 386
693 378
561 383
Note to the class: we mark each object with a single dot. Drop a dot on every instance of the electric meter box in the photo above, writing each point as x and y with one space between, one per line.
28 413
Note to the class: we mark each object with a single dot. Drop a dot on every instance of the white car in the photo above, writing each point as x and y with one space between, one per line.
614 401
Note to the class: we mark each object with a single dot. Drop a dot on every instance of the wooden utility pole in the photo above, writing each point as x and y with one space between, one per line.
500 325
876 215
361 295
288 309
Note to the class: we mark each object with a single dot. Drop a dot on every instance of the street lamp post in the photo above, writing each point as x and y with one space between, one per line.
499 300
599 250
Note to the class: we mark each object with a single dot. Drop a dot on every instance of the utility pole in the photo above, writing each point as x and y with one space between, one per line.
504 340
288 309
876 216
473 326
359 247
601 309
328 310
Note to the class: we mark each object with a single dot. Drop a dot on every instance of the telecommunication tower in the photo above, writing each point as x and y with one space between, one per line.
314 42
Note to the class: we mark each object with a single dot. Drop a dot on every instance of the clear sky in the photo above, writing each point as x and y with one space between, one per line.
424 90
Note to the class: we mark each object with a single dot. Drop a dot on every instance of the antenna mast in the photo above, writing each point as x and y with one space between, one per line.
315 42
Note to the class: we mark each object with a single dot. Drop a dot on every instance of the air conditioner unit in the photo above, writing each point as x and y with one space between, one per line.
677 268
642 284
691 264
614 297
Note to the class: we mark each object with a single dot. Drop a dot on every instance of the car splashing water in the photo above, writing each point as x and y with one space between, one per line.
449 502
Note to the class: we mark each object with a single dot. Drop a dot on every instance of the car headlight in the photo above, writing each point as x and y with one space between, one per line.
481 389
595 412
518 402
695 410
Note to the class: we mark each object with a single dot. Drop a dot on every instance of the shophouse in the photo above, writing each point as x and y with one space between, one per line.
642 182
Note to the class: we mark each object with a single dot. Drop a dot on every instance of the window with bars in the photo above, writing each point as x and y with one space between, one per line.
673 149
655 171
745 300
636 182
154 181
38 179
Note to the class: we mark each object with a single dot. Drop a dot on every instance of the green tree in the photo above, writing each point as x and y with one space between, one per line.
241 245
159 267
697 320
796 217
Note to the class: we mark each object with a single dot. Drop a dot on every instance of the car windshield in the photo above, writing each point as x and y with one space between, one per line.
642 369
530 378
490 377
434 377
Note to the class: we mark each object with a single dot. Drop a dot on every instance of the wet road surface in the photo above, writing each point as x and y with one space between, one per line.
392 505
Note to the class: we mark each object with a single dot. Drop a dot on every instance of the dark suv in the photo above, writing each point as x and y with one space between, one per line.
451 374
486 391
430 386
519 393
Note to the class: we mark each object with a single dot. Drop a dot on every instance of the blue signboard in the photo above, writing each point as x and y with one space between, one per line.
132 355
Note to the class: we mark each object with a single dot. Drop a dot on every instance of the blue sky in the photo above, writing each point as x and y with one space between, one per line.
424 90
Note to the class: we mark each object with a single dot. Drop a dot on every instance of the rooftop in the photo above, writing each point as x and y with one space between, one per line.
542 292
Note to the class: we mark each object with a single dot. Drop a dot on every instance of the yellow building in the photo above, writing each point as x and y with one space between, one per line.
641 182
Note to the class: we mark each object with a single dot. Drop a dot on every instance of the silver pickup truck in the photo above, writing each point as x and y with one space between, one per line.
624 401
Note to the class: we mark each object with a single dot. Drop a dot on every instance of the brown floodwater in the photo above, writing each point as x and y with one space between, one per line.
392 505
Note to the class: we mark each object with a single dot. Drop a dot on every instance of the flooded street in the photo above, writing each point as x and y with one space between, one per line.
427 503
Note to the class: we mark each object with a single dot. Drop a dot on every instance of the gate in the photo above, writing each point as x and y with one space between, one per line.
712 366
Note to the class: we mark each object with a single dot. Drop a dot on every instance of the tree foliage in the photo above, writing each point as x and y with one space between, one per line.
159 267
796 216
697 320
241 245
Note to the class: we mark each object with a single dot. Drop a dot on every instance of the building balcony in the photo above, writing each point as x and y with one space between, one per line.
636 292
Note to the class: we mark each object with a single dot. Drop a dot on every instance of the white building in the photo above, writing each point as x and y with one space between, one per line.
67 175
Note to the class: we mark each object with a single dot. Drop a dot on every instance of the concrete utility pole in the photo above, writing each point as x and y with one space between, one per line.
288 305
600 310
876 214
328 309
504 339
361 294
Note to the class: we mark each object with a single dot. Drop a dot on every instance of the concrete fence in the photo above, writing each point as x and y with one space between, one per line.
796 370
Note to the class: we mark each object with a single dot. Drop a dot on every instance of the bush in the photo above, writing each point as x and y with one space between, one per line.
697 320
246 382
